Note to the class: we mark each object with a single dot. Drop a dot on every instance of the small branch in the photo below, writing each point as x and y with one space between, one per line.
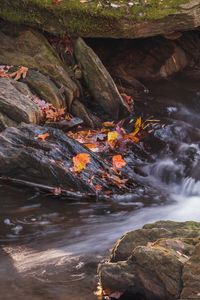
51 189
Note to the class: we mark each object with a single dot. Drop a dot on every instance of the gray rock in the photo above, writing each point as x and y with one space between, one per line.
98 80
16 105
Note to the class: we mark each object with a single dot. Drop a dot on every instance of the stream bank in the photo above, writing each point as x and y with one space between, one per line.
159 165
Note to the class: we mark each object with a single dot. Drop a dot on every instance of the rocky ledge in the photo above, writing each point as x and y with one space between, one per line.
160 261
103 18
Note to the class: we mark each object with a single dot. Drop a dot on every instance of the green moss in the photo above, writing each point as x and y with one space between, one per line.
86 19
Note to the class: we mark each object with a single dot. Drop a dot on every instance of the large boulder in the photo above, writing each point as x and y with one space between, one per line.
118 19
159 261
29 48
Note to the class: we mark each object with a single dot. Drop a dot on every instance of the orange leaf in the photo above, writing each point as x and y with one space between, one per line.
118 162
21 73
92 147
98 187
80 161
109 124
43 136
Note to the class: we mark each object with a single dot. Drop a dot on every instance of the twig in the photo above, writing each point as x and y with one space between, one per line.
59 191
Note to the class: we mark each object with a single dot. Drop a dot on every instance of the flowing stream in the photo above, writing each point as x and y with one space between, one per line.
50 248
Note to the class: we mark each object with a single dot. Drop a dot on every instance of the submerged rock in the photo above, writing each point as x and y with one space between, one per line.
159 262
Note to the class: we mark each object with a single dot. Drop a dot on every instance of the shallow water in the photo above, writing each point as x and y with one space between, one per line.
50 248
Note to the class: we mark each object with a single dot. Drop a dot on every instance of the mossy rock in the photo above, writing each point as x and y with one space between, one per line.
119 19
160 261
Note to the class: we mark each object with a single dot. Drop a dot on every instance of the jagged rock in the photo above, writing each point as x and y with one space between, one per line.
159 262
29 48
118 19
16 105
98 80
49 162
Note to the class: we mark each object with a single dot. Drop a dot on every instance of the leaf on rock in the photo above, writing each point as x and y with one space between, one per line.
43 136
112 138
80 161
56 1
21 73
118 162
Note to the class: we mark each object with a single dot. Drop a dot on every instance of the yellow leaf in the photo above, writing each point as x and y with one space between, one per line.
118 161
138 122
80 161
112 137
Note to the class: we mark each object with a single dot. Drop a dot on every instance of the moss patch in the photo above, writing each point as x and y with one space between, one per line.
88 19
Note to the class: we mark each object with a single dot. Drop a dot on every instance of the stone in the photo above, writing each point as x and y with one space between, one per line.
121 19
16 105
98 80
29 48
50 162
45 88
159 262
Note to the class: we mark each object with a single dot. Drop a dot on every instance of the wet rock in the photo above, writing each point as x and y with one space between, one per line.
49 162
16 105
29 48
98 80
159 261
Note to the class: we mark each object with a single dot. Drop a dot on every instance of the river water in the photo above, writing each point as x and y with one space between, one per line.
50 248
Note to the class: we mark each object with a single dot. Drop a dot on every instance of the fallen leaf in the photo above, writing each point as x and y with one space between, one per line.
57 191
118 162
21 73
80 161
56 1
43 136
108 124
92 147
112 138
98 187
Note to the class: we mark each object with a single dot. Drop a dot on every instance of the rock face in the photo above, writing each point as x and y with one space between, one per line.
98 80
16 105
29 48
158 262
121 19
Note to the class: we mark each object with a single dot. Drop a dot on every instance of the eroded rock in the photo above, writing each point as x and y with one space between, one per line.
16 105
98 80
160 261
